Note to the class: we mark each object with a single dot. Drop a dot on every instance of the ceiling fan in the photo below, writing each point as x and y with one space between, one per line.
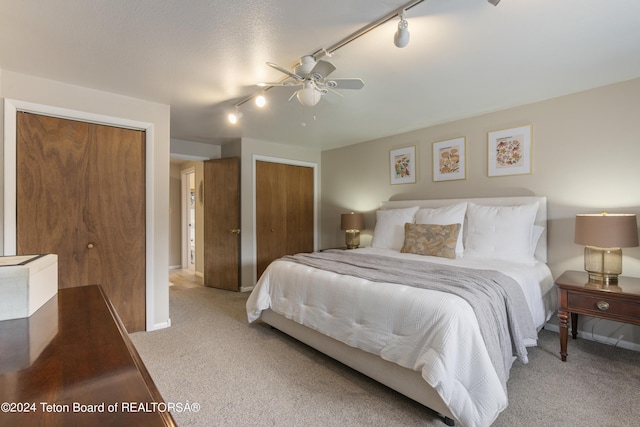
312 75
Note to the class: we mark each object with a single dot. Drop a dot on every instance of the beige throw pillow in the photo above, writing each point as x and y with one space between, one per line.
431 239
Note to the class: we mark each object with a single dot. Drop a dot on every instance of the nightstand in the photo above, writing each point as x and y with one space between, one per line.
620 302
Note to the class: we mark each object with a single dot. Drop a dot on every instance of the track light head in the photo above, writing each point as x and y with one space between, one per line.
261 101
234 117
401 37
494 2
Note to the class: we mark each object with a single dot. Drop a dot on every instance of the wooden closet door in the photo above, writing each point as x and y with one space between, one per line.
271 219
299 209
52 170
284 211
115 220
81 195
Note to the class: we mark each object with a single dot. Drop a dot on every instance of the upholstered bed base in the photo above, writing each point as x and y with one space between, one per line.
405 381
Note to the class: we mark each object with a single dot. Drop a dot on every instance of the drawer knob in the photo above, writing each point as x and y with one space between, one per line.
603 305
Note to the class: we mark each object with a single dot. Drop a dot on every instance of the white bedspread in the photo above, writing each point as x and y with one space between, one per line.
432 332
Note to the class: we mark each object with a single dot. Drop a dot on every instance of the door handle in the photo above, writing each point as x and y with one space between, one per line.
235 230
90 246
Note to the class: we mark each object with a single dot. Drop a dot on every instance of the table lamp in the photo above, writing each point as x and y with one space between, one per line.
603 235
352 224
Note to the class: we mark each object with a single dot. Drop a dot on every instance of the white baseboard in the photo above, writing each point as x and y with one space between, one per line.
246 288
175 267
163 325
598 338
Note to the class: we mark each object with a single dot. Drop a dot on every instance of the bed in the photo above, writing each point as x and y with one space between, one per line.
423 337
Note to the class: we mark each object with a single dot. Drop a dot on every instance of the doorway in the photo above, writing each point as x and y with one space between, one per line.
188 201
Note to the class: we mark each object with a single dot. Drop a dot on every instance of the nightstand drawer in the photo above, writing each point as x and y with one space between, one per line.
605 307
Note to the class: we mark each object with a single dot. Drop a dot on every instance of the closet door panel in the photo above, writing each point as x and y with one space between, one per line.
115 220
271 220
299 209
52 167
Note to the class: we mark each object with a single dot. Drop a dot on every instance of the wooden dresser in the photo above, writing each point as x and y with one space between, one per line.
72 363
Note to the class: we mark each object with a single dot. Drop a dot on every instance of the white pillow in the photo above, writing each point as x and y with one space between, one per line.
452 214
389 230
500 232
535 238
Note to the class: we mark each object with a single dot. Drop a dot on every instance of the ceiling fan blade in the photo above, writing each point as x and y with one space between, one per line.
345 84
336 92
284 70
322 69
286 84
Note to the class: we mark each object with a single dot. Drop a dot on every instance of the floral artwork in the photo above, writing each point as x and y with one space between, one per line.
449 159
510 151
402 165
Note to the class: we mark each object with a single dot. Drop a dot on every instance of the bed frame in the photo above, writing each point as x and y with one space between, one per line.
405 381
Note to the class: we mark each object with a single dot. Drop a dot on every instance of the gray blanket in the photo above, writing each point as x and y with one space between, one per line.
497 300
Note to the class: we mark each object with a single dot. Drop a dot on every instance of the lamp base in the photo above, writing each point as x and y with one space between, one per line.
604 279
603 264
352 238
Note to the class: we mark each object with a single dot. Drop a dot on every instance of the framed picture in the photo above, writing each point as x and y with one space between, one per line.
510 151
449 159
403 165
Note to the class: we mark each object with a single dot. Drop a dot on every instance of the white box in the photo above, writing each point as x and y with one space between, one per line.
24 339
27 282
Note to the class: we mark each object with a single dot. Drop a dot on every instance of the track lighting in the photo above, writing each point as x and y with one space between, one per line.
310 94
401 38
234 117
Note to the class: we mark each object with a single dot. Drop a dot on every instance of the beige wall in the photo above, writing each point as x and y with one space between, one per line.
75 99
586 158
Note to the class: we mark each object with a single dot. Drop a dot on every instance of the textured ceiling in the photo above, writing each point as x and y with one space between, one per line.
465 57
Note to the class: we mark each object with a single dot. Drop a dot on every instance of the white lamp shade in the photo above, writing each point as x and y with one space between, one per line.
308 96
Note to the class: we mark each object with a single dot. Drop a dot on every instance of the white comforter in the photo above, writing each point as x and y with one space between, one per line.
432 332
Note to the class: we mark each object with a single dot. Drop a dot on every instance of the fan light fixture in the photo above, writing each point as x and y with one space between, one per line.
401 37
308 95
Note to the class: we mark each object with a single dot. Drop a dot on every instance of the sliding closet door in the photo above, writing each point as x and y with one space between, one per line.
284 211
81 195
271 214
300 196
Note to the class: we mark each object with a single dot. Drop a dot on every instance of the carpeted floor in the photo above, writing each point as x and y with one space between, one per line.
251 375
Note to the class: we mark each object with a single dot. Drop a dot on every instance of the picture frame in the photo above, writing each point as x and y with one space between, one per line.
402 162
509 151
449 159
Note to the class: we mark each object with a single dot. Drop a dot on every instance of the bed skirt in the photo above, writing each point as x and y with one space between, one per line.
405 381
